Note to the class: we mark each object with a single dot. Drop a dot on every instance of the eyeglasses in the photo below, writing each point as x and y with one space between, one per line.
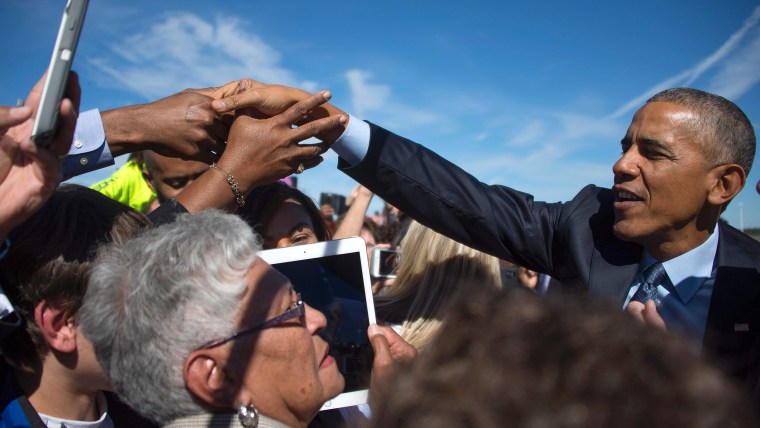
296 310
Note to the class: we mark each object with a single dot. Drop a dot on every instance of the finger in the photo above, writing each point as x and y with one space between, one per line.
301 109
380 347
8 150
636 310
309 150
65 133
203 91
317 127
252 98
652 318
33 99
48 164
236 87
73 90
401 350
12 116
225 90
308 163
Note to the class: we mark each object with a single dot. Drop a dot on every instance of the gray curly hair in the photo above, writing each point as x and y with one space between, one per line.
153 300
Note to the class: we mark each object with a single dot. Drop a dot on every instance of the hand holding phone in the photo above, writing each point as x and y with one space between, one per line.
46 121
30 173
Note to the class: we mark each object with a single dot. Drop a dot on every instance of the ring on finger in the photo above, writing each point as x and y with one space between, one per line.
300 168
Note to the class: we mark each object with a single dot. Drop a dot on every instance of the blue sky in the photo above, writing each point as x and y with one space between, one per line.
534 95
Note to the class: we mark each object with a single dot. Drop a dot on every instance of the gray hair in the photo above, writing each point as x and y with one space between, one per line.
153 300
727 133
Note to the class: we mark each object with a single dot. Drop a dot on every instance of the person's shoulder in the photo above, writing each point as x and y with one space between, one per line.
739 240
601 195
591 200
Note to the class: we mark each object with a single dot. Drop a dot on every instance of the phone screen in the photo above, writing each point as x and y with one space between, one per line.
384 263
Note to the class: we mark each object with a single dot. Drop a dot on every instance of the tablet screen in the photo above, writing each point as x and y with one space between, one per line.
335 285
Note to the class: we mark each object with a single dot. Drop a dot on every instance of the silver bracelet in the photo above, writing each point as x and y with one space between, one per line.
233 184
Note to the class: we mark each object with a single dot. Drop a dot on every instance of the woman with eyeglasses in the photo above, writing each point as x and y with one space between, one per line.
194 331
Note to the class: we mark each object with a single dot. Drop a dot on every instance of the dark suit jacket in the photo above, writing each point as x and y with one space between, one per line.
571 241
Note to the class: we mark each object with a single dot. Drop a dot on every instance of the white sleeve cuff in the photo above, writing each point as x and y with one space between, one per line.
353 144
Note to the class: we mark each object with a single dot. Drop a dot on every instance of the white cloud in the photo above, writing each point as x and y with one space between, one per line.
689 76
366 96
553 154
553 145
531 132
375 99
185 50
740 72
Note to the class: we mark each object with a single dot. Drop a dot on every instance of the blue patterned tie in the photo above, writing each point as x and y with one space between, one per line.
653 276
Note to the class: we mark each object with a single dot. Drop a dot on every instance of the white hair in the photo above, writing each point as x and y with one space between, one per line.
154 299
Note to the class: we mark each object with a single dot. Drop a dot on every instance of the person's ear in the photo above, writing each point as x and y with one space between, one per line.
728 181
59 330
206 378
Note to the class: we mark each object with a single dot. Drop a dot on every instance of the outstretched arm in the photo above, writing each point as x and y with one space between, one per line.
181 125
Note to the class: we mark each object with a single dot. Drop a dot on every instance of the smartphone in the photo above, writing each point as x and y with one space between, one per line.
384 263
46 121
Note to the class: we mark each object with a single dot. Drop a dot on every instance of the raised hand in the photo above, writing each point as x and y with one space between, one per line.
29 174
256 99
260 151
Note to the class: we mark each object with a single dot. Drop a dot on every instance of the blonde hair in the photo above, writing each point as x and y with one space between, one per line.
432 270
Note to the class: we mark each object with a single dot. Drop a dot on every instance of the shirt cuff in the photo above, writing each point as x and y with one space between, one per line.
89 150
353 144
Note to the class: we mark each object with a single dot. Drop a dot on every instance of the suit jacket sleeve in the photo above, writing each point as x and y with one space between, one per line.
495 219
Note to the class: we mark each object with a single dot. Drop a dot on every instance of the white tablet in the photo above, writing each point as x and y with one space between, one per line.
333 277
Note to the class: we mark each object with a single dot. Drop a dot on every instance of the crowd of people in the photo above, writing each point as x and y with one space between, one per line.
142 302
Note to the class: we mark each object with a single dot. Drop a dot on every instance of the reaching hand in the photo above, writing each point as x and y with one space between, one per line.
260 151
359 192
256 99
263 151
181 125
29 174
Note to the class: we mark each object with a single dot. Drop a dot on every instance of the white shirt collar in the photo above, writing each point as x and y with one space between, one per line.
690 270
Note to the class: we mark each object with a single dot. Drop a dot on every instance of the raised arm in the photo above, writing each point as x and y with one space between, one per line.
351 225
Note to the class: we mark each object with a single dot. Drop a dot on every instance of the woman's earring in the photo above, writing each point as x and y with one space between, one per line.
248 415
